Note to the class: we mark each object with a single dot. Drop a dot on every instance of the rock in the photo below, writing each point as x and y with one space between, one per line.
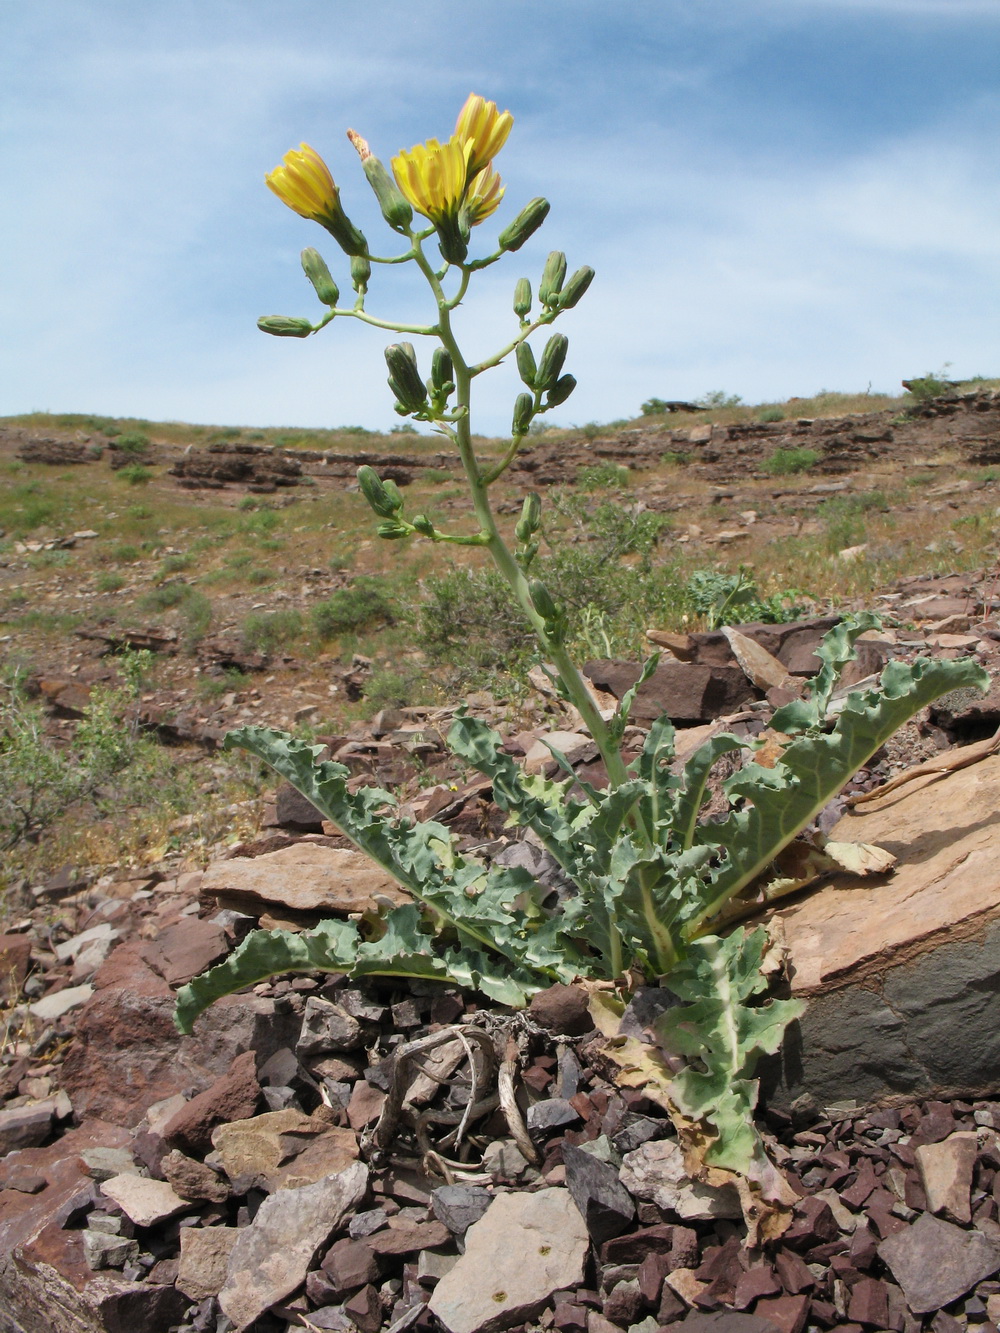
193 1180
295 811
103 1163
603 1201
408 1237
327 1027
102 1251
185 950
50 1007
306 877
727 1321
562 1009
127 1054
552 1113
349 1264
145 1202
15 959
655 1171
364 1309
234 1096
326 1155
254 1152
25 1126
205 1255
459 1206
946 1170
935 1262
576 748
526 1247
890 973
271 1256
686 691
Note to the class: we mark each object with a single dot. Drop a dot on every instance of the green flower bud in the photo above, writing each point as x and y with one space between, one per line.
284 326
391 531
552 361
377 493
396 211
541 600
560 391
526 367
442 370
527 222
524 407
361 271
553 276
423 525
315 269
522 298
531 517
576 287
404 377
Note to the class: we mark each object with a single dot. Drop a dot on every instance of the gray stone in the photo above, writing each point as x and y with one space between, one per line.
655 1171
25 1126
272 1256
327 1027
526 1247
144 1201
935 1262
552 1113
50 1007
103 1251
459 1206
103 1163
603 1201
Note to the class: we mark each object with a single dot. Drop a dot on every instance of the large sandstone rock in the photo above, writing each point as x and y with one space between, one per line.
306 877
902 977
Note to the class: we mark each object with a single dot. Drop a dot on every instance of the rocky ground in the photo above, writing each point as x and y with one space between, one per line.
325 1155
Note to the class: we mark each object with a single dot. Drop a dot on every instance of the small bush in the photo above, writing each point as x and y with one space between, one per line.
136 474
435 474
603 477
786 462
263 632
722 598
133 443
654 407
174 564
718 398
767 414
352 609
110 581
125 554
675 458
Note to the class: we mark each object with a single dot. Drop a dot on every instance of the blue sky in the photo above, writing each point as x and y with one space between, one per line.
778 196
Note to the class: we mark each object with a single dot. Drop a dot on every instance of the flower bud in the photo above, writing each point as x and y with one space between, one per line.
560 391
442 370
361 271
423 525
405 380
391 530
552 361
576 287
531 517
395 209
541 600
553 276
315 269
527 222
376 492
524 407
284 326
522 298
526 367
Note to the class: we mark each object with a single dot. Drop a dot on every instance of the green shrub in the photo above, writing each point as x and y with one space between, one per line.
263 632
602 477
110 581
136 474
165 597
124 553
654 407
719 398
134 443
786 462
174 564
675 458
722 598
767 414
349 610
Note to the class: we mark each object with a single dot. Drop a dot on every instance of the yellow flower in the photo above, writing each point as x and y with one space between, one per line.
304 183
481 125
483 196
432 177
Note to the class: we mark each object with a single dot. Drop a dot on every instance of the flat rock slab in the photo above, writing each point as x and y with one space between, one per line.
935 1263
892 970
145 1202
271 1256
525 1247
306 877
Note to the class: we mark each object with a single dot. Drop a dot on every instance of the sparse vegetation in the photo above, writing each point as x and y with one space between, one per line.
787 462
349 610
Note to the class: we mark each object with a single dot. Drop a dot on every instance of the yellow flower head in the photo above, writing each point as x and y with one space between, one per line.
432 176
484 195
304 183
486 129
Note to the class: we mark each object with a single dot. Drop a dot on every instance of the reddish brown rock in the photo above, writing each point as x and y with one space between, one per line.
562 1009
234 1096
15 957
183 951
